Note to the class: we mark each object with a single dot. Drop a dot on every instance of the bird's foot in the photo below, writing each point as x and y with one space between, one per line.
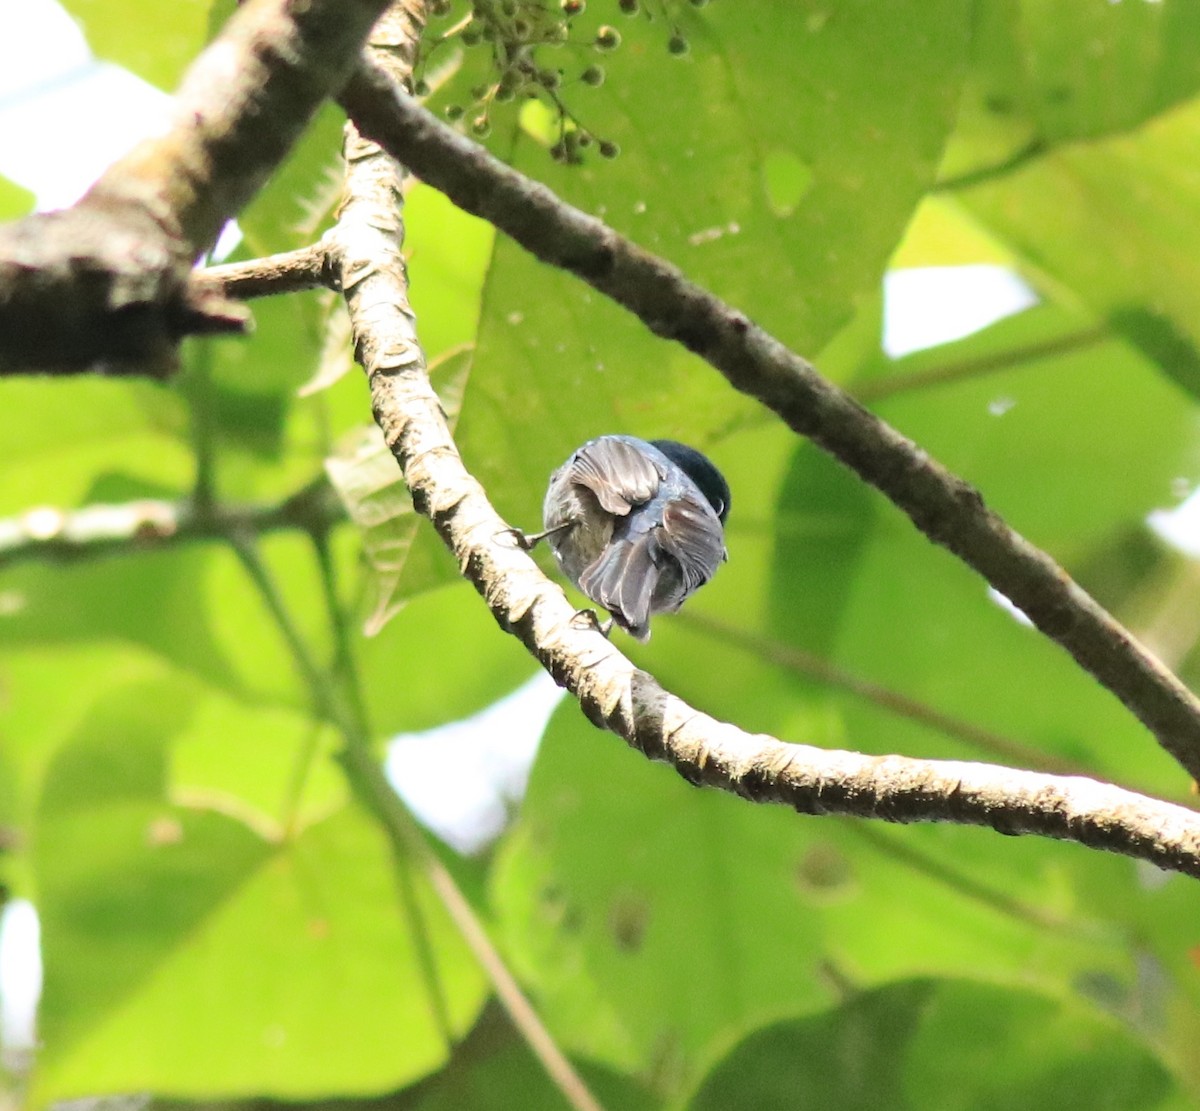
528 541
590 619
520 539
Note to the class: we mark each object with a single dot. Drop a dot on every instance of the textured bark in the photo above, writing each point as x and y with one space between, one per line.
945 508
106 284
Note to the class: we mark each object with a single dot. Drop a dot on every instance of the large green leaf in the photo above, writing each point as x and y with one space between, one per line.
58 434
440 659
187 955
941 1045
622 885
1049 72
708 142
1113 223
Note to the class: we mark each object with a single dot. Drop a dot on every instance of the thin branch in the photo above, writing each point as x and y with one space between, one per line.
958 370
329 706
94 531
943 506
960 880
995 745
366 245
289 272
107 281
1032 150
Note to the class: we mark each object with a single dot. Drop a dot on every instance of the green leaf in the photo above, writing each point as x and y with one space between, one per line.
709 142
58 434
941 1045
149 599
155 41
1049 72
843 1059
980 1046
1112 223
657 922
440 659
186 955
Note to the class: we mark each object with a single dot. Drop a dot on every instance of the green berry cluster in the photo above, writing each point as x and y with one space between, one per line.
519 36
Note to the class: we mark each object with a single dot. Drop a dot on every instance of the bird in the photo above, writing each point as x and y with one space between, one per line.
637 525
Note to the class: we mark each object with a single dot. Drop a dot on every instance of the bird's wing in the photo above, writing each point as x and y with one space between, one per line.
615 471
623 580
692 534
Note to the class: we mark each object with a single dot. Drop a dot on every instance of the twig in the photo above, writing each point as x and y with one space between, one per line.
1032 150
107 281
948 510
288 272
959 369
988 741
366 245
364 774
95 531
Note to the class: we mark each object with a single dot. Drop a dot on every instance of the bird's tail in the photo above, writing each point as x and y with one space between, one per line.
622 580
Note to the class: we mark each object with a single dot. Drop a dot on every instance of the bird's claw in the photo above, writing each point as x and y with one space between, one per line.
520 539
589 618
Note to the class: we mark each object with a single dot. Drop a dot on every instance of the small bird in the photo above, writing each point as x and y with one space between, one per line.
637 525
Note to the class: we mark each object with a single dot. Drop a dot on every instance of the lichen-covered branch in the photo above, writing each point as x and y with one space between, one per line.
944 507
106 283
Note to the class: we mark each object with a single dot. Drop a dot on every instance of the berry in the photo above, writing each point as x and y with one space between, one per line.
608 38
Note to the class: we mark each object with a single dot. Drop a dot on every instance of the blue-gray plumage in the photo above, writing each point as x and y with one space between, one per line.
637 525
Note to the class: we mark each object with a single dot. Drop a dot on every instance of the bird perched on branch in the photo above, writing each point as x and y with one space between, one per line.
637 525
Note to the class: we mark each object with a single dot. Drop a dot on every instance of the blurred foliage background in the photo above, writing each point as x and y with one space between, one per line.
219 917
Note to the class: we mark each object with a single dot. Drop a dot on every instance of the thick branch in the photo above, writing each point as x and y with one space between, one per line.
948 510
94 531
106 282
617 696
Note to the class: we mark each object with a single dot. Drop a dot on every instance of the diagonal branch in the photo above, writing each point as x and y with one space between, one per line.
943 506
992 744
366 255
107 281
618 696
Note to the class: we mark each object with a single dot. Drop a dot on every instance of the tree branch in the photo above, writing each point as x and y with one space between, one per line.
944 507
366 255
107 281
289 272
618 696
94 531
799 662
958 370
